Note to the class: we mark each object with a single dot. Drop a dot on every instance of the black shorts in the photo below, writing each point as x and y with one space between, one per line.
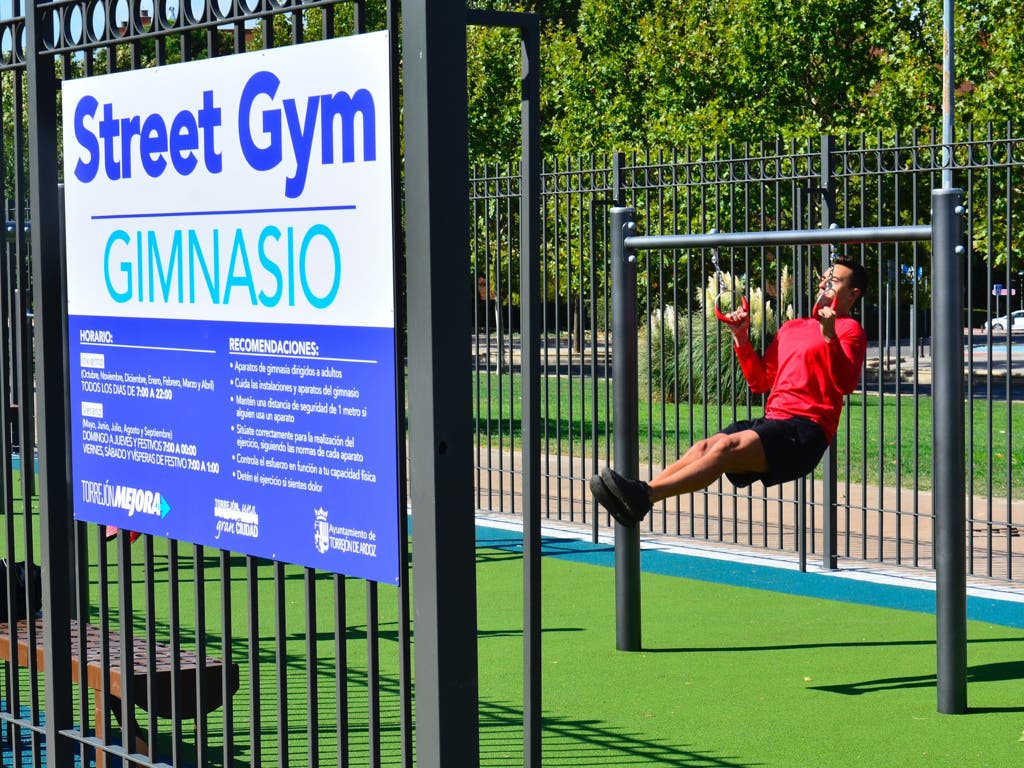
793 446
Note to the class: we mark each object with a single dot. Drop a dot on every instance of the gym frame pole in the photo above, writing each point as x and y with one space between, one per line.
948 453
440 292
948 456
626 420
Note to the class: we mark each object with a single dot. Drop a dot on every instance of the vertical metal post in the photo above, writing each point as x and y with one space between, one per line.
948 409
618 198
54 486
624 402
830 544
914 339
948 452
948 89
887 336
8 283
72 546
7 358
530 290
405 671
619 178
801 523
440 372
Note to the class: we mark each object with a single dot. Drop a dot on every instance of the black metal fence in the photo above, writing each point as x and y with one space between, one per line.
236 660
690 384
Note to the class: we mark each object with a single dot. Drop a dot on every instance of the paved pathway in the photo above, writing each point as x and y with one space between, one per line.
886 527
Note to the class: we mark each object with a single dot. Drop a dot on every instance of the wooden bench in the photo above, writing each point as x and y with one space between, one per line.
158 678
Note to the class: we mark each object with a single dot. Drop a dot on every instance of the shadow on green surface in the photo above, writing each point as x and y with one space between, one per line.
808 646
569 742
500 549
1000 671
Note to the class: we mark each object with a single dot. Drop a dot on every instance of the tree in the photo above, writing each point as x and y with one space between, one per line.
493 80
649 74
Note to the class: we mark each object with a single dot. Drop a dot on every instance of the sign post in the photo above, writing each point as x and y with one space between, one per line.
230 304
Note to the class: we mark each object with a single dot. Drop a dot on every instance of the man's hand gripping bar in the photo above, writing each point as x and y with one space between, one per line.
724 290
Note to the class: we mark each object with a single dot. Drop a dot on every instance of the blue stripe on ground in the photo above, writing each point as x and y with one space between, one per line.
16 463
1002 612
23 748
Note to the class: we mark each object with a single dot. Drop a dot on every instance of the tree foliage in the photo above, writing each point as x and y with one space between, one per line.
649 74
675 76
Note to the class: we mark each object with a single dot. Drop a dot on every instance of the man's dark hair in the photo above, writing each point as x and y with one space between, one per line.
859 278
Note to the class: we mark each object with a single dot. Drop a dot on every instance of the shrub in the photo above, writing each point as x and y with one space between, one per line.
689 357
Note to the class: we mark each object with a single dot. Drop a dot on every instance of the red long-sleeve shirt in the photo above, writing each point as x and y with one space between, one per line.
805 374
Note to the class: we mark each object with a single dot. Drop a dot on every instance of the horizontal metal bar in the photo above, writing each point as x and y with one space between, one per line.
479 17
780 237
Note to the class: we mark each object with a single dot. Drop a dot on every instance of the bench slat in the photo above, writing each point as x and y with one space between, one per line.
188 663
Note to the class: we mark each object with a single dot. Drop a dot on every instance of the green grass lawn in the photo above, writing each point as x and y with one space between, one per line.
866 440
729 677
280 662
734 677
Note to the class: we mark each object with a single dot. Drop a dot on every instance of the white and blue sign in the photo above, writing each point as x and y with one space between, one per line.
231 304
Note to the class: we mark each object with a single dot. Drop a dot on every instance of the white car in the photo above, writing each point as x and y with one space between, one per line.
1014 322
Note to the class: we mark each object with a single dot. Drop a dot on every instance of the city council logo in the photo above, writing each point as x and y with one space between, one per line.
321 531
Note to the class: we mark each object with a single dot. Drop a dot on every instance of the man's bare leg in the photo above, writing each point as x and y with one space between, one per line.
707 460
630 500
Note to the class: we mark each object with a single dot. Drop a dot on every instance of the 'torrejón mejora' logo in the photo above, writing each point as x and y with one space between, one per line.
131 500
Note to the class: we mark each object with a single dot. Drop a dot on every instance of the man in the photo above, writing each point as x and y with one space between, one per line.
809 367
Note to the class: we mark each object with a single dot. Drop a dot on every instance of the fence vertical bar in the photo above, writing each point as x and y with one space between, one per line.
48 283
530 289
829 501
626 436
948 453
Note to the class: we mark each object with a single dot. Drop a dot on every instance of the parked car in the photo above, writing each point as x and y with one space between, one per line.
1014 322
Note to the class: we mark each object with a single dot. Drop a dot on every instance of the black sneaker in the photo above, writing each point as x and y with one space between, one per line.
607 500
635 495
627 500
